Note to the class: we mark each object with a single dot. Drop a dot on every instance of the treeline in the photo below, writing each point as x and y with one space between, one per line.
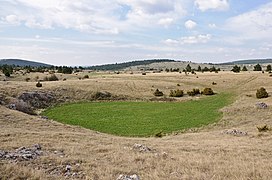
9 69
192 70
120 66
257 67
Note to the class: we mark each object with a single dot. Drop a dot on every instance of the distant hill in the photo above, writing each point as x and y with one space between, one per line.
20 62
120 66
250 61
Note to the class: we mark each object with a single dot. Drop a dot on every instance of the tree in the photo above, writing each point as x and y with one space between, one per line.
199 69
188 68
258 67
268 68
205 69
236 69
244 68
7 70
212 69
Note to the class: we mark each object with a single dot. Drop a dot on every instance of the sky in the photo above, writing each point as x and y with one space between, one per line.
94 32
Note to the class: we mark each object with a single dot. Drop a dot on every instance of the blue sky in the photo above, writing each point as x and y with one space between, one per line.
92 32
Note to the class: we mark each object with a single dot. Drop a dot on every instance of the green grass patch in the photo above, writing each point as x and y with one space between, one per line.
141 118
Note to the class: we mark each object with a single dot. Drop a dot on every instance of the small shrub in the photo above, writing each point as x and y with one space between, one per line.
159 134
214 83
39 84
261 93
158 93
208 91
193 92
64 79
178 84
86 76
263 128
144 73
176 93
7 74
52 77
27 79
45 78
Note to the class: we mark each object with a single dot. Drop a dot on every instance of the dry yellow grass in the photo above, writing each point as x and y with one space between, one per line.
205 154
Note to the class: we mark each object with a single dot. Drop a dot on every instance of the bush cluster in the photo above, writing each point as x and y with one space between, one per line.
86 76
27 79
52 77
207 91
193 92
263 128
39 84
176 93
158 93
261 93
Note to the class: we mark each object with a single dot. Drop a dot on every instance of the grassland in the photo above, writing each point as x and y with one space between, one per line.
204 154
140 118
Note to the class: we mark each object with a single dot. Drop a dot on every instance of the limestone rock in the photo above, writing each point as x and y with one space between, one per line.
128 177
141 148
261 105
22 153
235 132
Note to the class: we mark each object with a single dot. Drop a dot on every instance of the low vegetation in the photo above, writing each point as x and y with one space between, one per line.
263 128
52 77
261 93
193 92
208 91
39 84
176 93
140 118
158 93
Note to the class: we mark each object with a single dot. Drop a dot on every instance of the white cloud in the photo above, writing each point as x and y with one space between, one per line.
11 19
171 42
99 17
212 25
190 24
198 39
218 5
255 24
165 22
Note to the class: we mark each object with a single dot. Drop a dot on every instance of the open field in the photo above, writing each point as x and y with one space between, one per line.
204 153
140 118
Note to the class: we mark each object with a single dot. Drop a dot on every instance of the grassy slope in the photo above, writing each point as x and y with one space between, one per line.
140 118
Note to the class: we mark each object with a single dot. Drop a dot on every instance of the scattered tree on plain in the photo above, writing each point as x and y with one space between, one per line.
236 69
268 68
258 67
244 68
